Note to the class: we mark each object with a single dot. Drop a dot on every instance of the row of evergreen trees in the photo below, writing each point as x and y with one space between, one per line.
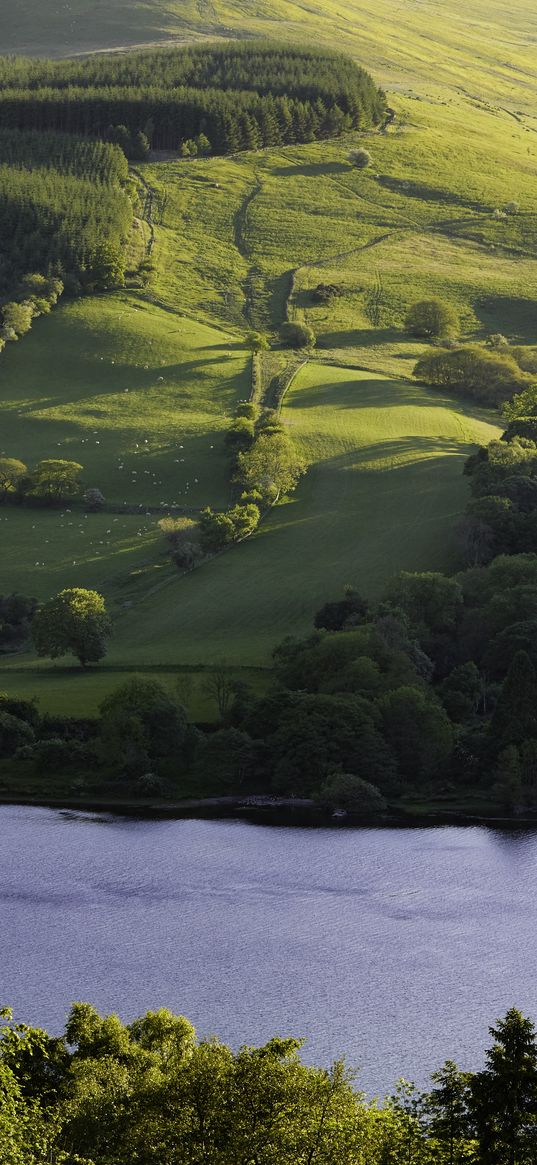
239 97
232 120
304 72
95 160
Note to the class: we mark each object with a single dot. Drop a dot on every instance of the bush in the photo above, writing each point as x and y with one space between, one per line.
324 292
93 500
240 436
295 335
431 318
488 376
247 410
350 793
360 158
14 734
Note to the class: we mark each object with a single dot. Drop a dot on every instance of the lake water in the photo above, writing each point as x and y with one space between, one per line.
395 947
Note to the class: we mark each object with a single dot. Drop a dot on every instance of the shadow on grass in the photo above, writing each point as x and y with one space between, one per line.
400 453
514 315
427 193
357 338
312 169
380 392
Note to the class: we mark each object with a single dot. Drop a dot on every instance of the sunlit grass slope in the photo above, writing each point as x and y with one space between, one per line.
383 493
138 396
479 47
420 221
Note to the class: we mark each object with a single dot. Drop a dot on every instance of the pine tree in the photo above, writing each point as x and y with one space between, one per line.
504 1095
449 1113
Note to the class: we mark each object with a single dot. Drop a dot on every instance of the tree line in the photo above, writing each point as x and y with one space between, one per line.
152 1092
236 96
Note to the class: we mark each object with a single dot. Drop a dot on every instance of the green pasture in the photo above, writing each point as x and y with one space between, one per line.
68 690
383 493
232 233
138 396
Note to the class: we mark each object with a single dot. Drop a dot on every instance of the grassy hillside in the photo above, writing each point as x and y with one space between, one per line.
136 386
478 48
383 494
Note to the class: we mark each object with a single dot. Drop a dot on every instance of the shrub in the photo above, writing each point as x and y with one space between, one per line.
431 318
350 793
17 319
360 158
240 436
247 410
324 292
14 734
488 376
294 335
94 500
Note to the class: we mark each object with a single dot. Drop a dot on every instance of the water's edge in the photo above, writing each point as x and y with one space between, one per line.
280 811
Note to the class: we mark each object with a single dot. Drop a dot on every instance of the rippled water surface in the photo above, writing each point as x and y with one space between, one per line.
395 947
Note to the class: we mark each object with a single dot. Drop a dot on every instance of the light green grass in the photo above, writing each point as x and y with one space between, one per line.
135 394
421 220
384 493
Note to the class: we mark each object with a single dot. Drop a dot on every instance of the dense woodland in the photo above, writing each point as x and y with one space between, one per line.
151 1093
64 210
237 96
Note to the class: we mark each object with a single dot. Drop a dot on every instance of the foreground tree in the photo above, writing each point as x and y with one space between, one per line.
449 1120
504 1095
74 621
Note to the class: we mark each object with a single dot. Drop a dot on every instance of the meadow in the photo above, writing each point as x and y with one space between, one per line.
138 385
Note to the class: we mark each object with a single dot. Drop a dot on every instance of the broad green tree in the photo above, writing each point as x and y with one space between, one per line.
431 318
142 725
74 621
272 466
515 715
11 473
56 479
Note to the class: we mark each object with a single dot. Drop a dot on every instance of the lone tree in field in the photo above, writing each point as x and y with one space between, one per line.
74 621
360 158
431 318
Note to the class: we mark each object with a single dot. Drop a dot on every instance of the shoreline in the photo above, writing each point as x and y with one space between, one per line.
282 811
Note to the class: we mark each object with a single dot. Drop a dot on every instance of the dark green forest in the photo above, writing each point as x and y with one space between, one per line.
237 96
152 1093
